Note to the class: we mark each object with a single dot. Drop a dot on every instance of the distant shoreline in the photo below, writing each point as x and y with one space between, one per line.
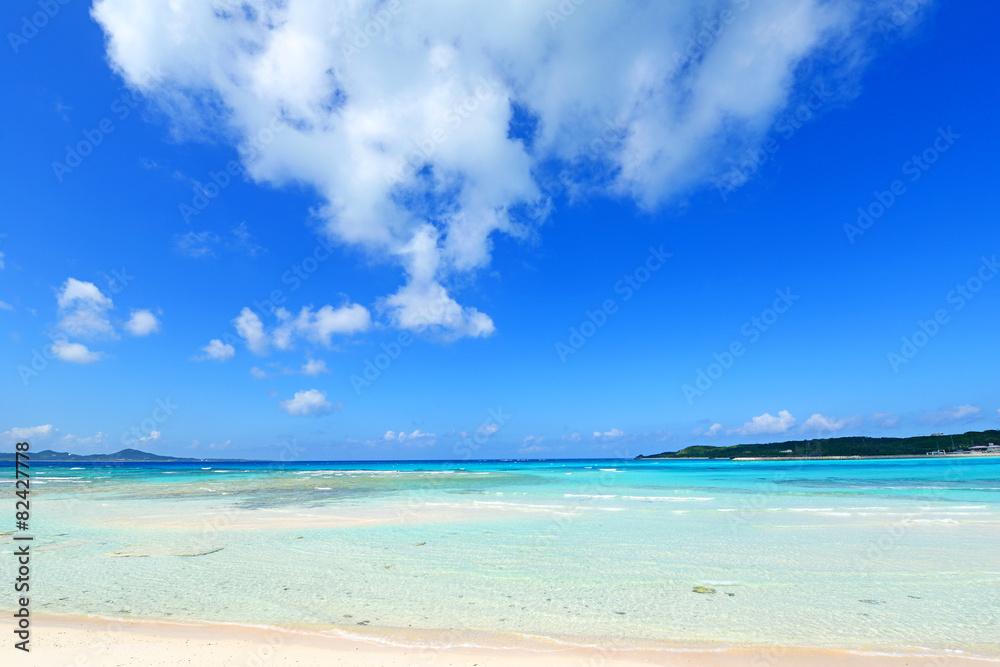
845 448
949 455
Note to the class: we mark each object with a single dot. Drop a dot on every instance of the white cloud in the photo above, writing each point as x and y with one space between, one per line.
407 139
613 434
415 438
142 323
196 244
153 435
83 310
320 326
532 444
958 413
885 419
216 350
76 440
711 431
314 367
486 430
308 403
822 424
76 353
317 327
766 424
251 329
571 437
28 433
258 373
5 306
242 241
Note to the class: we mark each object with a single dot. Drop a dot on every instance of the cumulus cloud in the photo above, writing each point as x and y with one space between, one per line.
308 403
216 350
258 373
75 440
142 323
251 329
408 136
317 327
415 438
486 430
821 424
571 437
153 435
613 434
28 433
5 306
314 367
711 431
958 413
766 424
75 353
320 326
83 311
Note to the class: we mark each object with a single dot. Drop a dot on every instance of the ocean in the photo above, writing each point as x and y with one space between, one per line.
899 556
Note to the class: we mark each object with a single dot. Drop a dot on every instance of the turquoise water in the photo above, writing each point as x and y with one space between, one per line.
893 555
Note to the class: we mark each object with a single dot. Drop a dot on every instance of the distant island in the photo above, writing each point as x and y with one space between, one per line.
124 455
856 446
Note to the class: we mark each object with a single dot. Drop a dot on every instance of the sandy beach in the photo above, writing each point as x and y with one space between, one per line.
78 641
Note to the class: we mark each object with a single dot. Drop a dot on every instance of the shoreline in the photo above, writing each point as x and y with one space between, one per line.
68 639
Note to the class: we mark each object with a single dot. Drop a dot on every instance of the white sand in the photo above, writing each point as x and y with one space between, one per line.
86 642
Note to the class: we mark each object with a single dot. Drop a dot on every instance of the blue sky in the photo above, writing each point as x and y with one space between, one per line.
445 210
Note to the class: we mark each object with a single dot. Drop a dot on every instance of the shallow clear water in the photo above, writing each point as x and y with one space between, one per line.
900 555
